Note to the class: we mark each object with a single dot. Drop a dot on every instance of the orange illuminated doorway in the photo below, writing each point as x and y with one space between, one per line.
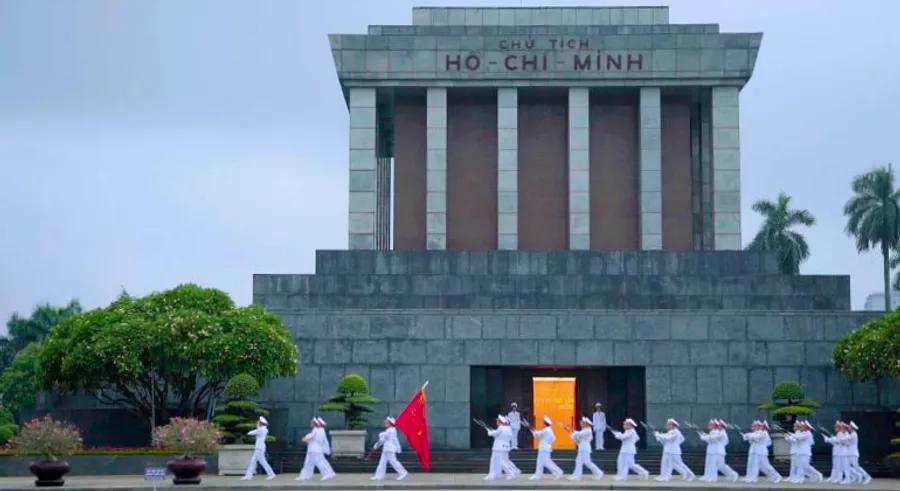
555 397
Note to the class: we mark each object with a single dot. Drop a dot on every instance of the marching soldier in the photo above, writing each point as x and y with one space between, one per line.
545 439
716 441
625 462
259 451
317 447
671 441
500 463
599 421
583 439
390 447
840 471
853 453
515 424
758 454
801 442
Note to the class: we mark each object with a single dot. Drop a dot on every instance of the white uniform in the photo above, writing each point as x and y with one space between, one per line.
853 457
840 463
626 462
801 452
515 424
317 447
500 463
583 457
599 420
716 441
545 439
259 453
758 457
390 447
671 456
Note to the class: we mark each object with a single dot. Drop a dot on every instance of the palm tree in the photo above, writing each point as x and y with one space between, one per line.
873 217
775 234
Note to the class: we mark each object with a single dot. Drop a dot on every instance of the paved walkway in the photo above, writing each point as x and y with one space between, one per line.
424 482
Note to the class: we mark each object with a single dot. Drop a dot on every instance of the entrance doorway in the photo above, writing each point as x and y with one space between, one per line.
555 397
493 388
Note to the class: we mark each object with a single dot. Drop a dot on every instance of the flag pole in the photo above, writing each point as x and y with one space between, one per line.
424 385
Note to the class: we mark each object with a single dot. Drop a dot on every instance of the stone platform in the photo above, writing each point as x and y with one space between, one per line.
425 482
713 331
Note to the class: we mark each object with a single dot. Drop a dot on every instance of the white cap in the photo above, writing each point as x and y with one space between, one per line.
391 420
853 425
585 420
263 420
321 421
721 422
765 424
502 419
672 421
513 404
548 421
630 421
713 422
598 405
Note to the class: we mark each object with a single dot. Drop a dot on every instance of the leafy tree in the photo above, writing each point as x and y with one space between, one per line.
776 234
8 426
873 217
24 331
871 352
239 414
169 350
788 402
351 398
19 384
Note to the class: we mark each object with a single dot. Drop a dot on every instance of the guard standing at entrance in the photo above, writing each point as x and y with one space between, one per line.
599 421
515 424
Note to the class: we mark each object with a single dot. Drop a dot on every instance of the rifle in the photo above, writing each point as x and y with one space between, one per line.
372 450
481 423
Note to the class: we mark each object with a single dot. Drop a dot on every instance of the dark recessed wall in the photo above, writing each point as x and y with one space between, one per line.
615 222
677 211
409 171
543 170
471 169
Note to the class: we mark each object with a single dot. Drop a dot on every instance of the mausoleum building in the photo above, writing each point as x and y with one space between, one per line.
545 207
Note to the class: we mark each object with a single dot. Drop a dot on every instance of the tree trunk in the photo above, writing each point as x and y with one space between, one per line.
887 279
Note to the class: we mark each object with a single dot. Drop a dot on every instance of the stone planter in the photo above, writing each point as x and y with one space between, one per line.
781 449
187 471
49 472
233 459
348 443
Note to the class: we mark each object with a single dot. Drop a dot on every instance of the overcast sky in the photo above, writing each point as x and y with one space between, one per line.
146 144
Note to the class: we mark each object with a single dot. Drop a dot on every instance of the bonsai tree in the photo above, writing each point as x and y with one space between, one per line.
351 398
239 414
788 402
187 437
48 438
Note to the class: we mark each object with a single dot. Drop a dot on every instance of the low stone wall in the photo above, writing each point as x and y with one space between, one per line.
99 465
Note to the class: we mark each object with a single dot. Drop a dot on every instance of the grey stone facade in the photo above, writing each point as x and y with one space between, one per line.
712 361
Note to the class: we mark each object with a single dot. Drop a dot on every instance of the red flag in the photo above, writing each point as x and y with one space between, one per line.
413 422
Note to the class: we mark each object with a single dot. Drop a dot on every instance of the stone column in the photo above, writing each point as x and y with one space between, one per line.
579 169
651 169
363 179
436 169
726 150
507 169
